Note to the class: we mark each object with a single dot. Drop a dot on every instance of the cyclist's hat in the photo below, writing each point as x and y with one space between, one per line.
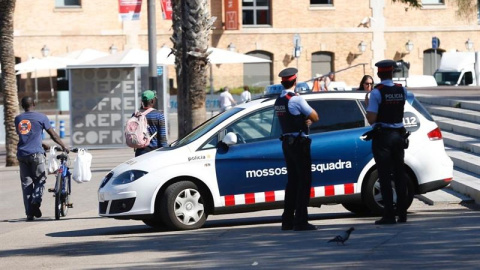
386 65
288 74
148 95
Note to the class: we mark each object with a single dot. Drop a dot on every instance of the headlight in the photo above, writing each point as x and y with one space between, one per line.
128 177
106 179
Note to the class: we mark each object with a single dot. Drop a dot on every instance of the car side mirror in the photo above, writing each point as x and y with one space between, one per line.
230 138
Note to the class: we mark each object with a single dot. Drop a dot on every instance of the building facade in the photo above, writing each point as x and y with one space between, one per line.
342 36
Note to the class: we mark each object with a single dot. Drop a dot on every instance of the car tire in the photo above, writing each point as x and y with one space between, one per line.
182 206
372 196
358 208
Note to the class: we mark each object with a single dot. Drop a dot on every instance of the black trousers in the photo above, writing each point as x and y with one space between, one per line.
297 192
388 152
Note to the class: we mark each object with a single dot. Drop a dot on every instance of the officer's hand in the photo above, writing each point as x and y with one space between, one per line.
308 122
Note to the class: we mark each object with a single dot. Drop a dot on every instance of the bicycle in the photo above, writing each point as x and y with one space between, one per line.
63 185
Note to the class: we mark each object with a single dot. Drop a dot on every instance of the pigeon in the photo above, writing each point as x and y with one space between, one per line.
342 238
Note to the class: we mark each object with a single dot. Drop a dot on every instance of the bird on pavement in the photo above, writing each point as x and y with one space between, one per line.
342 238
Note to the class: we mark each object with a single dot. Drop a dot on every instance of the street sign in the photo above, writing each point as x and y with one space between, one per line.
435 43
297 47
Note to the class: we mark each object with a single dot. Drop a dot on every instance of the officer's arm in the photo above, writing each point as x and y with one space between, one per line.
371 117
313 116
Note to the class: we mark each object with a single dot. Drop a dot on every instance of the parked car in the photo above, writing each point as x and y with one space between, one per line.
276 89
234 163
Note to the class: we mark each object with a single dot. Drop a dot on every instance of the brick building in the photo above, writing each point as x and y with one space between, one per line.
330 31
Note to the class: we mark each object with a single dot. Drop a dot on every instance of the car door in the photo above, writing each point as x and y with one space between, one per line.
338 153
255 163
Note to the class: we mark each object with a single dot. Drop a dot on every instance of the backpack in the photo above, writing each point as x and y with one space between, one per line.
136 132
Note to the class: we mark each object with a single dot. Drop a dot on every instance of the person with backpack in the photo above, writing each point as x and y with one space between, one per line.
154 135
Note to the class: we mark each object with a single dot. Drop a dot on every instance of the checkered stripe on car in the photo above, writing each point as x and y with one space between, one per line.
279 195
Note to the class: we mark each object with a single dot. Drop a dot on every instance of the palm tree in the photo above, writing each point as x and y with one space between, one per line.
9 86
191 26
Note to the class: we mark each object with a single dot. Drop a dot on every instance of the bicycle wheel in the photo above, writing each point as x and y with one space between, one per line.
58 199
65 196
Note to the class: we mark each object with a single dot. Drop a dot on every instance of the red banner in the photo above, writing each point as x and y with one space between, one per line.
231 14
166 9
129 10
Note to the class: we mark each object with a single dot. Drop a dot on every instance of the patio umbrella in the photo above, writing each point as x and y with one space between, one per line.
46 63
216 56
85 55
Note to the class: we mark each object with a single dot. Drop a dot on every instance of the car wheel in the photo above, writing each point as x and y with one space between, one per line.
182 207
357 208
373 197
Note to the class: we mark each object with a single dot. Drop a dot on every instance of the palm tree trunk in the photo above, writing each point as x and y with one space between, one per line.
191 27
10 97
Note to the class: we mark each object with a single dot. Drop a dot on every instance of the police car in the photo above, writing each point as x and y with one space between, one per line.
234 163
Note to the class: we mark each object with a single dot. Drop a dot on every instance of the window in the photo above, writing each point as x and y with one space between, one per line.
322 63
67 3
258 74
256 127
321 2
433 2
256 12
337 115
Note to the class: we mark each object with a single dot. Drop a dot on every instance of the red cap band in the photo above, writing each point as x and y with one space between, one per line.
289 78
385 69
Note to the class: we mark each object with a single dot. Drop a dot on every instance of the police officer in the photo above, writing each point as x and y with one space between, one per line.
385 114
295 117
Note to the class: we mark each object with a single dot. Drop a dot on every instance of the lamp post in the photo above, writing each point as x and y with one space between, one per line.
409 46
231 47
469 44
113 49
362 46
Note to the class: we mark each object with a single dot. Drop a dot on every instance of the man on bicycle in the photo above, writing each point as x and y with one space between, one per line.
31 155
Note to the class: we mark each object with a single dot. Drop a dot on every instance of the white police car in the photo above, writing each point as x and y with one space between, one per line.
234 162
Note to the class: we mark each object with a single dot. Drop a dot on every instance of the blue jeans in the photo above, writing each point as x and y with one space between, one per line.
33 178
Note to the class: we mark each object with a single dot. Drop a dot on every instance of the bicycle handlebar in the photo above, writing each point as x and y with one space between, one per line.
74 150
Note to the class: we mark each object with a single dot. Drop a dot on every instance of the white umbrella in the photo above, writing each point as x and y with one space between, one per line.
46 63
216 56
85 55
127 58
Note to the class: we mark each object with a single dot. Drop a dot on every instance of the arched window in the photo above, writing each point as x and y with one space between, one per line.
258 74
431 60
322 63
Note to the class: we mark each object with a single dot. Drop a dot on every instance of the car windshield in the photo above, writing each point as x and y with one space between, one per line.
446 78
205 127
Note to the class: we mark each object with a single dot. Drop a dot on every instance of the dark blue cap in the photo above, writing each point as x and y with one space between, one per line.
386 65
288 74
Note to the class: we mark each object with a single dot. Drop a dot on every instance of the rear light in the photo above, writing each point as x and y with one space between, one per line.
435 134
448 179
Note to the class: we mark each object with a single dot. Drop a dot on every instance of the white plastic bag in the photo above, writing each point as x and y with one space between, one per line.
81 169
52 161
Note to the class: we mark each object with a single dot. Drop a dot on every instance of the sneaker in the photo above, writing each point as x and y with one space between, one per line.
29 218
35 210
385 221
306 227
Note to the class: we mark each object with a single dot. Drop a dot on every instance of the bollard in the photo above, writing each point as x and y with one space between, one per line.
52 124
62 129
43 134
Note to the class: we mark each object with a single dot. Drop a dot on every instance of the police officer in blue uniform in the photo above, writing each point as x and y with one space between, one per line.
295 117
385 114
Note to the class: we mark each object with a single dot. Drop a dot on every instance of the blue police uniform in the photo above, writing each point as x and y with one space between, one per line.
387 100
292 111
